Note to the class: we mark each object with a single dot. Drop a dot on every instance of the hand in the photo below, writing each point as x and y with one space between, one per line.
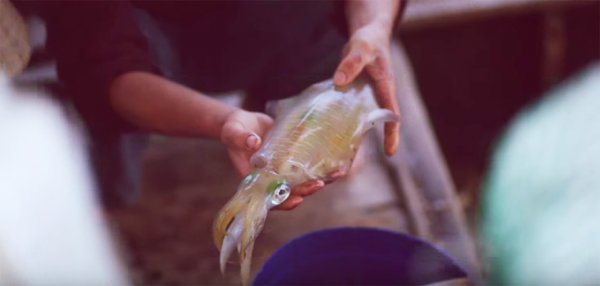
369 49
242 133
299 192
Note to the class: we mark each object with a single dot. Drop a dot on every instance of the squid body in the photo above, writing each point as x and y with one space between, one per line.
315 134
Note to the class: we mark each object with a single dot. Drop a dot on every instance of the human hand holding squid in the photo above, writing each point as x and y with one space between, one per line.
315 136
243 133
368 50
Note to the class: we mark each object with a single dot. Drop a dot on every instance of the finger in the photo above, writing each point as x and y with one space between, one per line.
236 135
240 162
392 137
385 87
350 67
334 176
291 203
308 188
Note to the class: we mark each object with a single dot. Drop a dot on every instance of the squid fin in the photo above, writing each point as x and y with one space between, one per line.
382 115
374 117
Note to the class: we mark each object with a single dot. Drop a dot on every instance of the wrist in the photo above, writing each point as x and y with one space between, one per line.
385 23
378 14
381 25
224 118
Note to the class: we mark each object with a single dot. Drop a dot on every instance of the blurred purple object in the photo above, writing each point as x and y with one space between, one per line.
357 256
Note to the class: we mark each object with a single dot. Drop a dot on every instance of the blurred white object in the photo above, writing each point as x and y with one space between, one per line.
541 219
51 229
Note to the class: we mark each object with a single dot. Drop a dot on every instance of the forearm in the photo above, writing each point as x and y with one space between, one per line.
365 12
159 105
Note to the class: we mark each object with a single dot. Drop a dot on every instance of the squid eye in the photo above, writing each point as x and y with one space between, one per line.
280 194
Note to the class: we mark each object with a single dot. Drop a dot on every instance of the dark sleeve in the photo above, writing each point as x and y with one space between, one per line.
402 9
93 42
400 16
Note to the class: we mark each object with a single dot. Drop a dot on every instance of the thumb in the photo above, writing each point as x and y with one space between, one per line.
236 135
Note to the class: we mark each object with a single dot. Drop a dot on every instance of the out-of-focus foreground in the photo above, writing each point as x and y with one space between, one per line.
464 70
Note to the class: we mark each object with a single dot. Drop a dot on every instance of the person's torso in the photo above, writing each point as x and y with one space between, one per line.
186 12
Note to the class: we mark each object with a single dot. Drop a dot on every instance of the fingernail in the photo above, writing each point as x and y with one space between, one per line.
251 142
339 78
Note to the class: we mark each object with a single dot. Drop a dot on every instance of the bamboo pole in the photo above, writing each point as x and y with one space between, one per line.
427 187
554 47
422 14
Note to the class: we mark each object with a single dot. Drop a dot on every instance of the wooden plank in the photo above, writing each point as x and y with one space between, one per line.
422 14
421 167
554 47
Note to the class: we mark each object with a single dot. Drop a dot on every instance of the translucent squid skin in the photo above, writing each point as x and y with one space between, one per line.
319 132
316 134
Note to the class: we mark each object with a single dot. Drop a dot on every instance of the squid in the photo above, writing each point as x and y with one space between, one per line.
315 136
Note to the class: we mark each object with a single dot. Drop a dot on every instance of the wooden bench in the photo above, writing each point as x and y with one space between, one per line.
425 14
